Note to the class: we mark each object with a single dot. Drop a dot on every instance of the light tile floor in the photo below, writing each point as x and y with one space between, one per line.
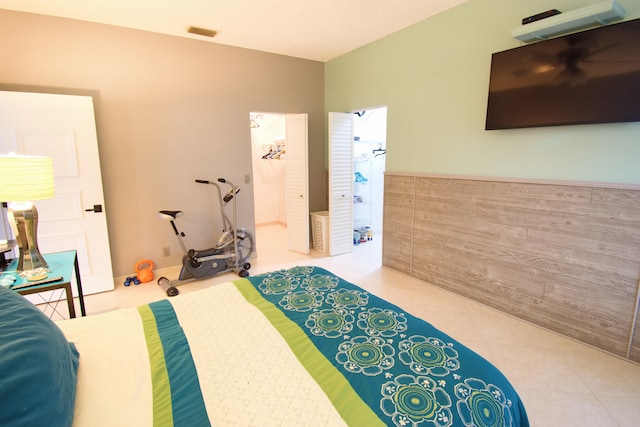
562 382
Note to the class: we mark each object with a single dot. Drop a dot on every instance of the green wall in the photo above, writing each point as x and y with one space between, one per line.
434 78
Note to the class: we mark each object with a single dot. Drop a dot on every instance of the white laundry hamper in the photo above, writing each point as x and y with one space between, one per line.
320 230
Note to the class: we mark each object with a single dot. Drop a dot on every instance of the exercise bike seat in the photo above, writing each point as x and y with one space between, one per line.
169 215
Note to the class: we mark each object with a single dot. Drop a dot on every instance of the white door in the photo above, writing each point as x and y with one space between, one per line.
340 183
297 197
63 127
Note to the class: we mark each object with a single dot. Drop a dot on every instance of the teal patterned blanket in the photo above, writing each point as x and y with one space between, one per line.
378 364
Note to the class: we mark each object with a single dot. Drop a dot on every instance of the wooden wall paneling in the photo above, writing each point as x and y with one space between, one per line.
625 204
465 243
622 250
618 198
596 316
490 270
488 281
566 257
635 348
634 345
397 229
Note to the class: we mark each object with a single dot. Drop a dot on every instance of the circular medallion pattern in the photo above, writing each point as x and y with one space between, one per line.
319 282
348 298
330 323
301 270
275 284
301 301
410 400
428 355
380 322
366 355
482 405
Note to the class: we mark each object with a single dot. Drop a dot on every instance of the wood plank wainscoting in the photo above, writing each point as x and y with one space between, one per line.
565 256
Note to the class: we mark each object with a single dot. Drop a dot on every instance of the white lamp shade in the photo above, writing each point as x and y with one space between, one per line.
25 178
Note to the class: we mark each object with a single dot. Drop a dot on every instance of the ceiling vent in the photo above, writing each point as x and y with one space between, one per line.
202 31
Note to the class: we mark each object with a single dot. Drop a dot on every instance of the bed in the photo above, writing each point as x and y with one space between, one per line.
290 347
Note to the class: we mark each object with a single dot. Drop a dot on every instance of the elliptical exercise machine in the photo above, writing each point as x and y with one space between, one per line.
231 252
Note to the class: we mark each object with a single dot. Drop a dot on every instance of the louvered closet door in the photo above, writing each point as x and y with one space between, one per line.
340 183
297 183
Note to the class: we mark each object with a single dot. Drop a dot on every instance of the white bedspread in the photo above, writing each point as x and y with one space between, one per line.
114 376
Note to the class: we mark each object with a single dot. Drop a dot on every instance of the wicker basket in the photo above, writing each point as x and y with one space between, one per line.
320 230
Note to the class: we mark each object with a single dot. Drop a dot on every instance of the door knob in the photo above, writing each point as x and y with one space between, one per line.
96 208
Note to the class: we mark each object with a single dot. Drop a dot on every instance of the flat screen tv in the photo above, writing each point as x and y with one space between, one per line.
588 77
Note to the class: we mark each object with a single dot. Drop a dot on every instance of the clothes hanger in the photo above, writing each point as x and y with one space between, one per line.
379 151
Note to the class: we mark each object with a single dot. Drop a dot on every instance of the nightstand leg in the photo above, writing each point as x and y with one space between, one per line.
79 286
70 304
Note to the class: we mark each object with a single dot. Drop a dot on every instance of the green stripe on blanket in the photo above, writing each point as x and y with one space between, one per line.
347 402
177 399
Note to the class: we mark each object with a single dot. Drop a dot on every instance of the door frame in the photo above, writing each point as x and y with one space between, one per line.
257 156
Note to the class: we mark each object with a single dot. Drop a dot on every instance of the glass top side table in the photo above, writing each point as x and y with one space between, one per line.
61 264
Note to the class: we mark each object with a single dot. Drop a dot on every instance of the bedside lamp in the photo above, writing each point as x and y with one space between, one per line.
25 178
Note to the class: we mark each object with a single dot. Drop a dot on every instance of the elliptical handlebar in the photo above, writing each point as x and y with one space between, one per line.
223 199
220 180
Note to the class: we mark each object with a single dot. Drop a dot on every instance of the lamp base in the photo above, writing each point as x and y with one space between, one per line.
23 218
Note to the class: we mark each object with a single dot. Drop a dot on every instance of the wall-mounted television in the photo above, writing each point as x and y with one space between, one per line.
588 77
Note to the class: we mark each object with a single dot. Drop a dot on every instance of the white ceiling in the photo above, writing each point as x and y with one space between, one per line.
312 29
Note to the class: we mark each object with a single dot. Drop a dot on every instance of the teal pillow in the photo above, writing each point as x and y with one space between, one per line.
38 366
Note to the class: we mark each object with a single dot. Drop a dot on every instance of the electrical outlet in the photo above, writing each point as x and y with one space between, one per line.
166 251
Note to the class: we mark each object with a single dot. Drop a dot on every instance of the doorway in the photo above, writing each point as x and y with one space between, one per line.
369 156
279 149
269 150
